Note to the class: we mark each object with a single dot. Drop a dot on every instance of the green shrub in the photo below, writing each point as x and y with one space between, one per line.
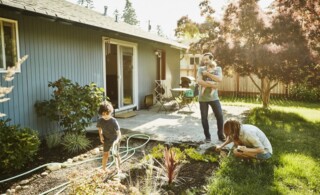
75 142
17 146
53 139
72 106
303 92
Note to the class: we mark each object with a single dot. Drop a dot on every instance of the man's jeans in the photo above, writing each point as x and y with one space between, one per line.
217 110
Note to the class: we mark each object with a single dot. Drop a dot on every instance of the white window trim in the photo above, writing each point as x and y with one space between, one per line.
135 68
17 42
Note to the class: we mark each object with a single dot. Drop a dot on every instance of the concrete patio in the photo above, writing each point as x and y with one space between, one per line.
175 126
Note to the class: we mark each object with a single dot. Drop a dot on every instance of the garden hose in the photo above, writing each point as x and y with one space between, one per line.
128 149
114 151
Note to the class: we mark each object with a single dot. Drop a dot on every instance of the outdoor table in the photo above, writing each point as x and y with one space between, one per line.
178 93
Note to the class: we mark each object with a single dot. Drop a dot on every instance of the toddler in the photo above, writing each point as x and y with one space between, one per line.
109 133
211 69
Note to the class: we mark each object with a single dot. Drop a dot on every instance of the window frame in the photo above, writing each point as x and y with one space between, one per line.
196 60
192 59
15 22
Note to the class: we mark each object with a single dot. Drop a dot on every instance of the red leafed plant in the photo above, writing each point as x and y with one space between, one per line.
171 165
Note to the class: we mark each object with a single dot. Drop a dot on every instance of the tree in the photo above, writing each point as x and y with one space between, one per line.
306 13
129 14
270 47
86 3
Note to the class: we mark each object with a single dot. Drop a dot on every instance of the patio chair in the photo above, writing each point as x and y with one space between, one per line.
160 91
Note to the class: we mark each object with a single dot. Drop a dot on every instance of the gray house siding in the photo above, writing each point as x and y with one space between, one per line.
148 67
54 50
59 49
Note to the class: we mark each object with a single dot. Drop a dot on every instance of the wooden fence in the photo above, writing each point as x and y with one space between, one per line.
237 85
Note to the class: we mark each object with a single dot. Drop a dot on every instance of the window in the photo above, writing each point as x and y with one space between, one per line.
194 60
9 52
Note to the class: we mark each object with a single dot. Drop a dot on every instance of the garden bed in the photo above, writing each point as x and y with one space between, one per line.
192 175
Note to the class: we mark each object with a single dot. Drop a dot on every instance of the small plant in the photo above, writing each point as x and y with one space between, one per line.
17 146
150 184
193 154
157 153
72 106
53 139
75 142
171 165
153 180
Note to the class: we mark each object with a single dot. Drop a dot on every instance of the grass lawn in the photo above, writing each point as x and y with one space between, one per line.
294 132
308 111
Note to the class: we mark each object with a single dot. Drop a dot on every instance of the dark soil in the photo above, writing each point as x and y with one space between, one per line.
192 176
45 155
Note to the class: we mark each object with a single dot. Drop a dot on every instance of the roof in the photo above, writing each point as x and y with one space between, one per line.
70 12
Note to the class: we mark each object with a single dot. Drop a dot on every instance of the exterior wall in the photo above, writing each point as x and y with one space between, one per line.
148 67
54 50
173 68
59 49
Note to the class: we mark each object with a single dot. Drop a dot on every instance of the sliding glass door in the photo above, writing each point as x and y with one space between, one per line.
120 84
126 66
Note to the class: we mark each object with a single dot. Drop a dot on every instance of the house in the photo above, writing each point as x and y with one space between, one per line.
189 64
64 39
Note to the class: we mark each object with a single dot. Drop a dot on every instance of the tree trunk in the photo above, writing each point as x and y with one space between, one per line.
265 91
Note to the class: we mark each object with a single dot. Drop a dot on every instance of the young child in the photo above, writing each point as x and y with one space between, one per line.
109 132
211 69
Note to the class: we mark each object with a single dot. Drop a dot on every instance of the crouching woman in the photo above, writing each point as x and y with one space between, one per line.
249 140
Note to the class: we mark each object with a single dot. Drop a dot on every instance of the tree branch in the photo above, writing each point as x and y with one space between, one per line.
254 82
273 86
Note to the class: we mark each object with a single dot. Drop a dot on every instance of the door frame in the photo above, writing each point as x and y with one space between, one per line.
134 70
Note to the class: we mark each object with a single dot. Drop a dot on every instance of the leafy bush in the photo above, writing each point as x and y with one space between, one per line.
303 92
75 142
17 146
72 106
53 139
